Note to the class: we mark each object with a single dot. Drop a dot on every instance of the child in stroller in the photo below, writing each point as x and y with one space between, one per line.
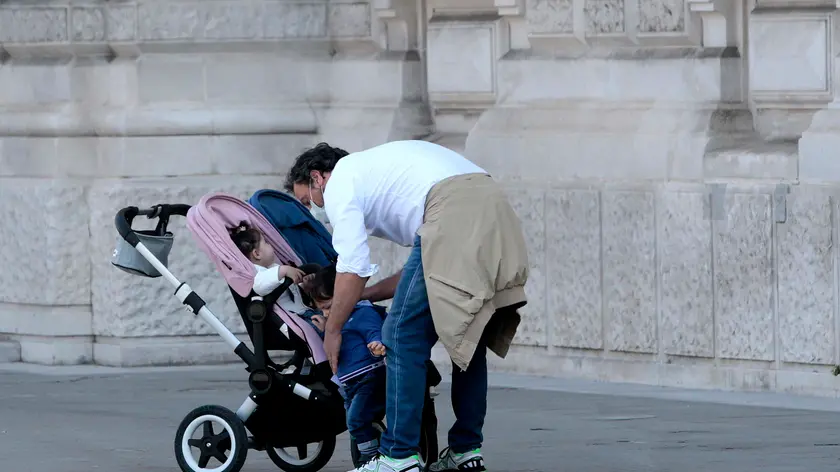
270 275
295 404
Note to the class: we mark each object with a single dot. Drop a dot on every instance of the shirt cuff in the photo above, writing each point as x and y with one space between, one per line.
368 271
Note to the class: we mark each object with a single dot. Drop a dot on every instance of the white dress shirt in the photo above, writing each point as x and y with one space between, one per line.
382 192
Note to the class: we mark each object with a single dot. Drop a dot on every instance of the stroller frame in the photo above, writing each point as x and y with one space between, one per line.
270 383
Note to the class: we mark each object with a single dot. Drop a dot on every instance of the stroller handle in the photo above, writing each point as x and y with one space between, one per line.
126 216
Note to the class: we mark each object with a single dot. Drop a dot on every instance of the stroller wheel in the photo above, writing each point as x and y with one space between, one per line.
355 455
216 435
304 458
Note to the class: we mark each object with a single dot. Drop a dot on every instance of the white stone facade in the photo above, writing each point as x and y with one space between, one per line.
675 164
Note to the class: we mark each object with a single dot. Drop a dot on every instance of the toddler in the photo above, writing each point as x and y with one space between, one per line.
360 362
270 274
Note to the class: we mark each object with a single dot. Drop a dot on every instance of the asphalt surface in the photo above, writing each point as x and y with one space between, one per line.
82 420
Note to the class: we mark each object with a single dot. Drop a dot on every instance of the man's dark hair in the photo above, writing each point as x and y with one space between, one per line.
321 158
323 285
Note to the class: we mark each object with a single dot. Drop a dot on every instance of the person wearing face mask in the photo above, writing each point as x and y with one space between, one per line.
462 283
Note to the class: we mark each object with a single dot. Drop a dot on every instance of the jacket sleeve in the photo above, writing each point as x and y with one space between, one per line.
370 324
266 281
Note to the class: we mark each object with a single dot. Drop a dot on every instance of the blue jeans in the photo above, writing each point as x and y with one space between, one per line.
409 335
365 403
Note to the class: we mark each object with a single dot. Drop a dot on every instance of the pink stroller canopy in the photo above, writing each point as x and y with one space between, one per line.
210 222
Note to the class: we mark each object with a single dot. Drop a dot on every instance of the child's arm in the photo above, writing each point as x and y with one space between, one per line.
267 280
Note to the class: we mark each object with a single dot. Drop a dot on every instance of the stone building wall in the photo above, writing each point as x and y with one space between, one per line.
673 161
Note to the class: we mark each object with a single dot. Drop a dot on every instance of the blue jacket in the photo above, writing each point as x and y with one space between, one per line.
362 327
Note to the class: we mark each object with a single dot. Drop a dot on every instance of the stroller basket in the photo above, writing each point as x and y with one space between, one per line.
158 241
127 258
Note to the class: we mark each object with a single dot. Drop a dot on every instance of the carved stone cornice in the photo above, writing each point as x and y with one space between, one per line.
130 28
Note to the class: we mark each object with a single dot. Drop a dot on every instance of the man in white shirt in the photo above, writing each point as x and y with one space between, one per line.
461 285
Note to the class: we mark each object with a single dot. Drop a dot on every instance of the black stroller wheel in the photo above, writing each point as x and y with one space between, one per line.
305 461
355 455
221 443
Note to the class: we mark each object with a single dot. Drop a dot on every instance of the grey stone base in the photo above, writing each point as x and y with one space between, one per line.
9 351
704 374
54 350
161 351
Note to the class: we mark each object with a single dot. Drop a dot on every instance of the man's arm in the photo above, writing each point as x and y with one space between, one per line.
382 290
349 238
348 292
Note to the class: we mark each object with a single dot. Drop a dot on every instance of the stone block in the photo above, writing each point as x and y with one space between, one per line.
685 254
164 351
87 24
529 205
806 278
42 236
28 157
121 21
232 20
9 351
169 21
170 79
45 320
260 154
349 20
156 156
36 83
573 258
629 231
470 69
253 79
550 16
661 16
130 306
604 17
33 25
790 55
743 270
294 20
50 350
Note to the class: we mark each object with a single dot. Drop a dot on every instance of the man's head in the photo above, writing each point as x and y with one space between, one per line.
309 174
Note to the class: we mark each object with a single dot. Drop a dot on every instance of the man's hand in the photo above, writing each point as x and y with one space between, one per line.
376 348
332 344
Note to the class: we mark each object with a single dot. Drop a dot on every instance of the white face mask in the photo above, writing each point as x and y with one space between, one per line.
318 212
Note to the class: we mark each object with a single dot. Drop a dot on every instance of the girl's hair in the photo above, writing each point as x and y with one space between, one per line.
323 284
246 238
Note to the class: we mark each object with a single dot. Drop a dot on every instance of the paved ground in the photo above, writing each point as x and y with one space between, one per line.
87 419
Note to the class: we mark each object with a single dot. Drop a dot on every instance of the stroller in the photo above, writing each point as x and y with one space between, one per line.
294 405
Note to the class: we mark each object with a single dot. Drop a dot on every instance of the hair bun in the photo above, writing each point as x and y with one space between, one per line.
243 226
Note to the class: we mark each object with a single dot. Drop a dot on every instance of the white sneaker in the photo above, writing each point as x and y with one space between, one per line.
382 463
449 461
